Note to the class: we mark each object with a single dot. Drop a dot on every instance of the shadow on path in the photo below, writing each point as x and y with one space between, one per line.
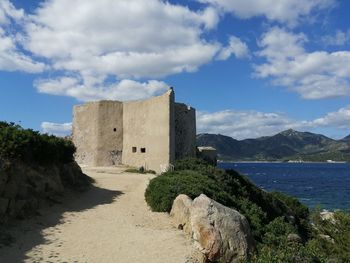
28 233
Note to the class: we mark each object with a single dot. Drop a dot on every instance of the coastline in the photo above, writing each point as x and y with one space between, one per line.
289 162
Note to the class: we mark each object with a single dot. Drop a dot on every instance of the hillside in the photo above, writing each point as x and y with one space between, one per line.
346 139
34 168
287 145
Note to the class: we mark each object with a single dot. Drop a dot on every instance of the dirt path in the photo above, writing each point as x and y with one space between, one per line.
109 223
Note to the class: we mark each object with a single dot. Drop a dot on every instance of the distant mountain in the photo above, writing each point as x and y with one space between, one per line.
287 145
346 139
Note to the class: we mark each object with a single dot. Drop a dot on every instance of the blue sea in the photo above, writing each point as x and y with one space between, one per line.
324 184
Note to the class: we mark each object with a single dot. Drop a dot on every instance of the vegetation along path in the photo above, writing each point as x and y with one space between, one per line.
109 223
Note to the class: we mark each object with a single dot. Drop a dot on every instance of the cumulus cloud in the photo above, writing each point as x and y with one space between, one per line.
123 90
58 129
253 124
339 119
130 41
340 38
284 11
127 41
100 51
126 38
11 57
8 12
243 124
314 75
236 47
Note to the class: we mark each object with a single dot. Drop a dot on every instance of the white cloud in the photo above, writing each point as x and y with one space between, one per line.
123 41
243 124
236 47
8 11
339 39
11 58
314 75
283 11
253 124
79 89
125 38
339 119
58 129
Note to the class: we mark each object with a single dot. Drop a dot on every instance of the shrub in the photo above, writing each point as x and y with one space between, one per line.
275 246
32 147
300 211
162 190
240 186
293 203
332 237
194 164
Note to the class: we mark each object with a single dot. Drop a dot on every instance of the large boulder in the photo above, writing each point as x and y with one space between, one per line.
180 212
220 233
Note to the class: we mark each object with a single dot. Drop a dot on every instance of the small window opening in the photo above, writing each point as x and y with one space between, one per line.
143 150
134 149
115 129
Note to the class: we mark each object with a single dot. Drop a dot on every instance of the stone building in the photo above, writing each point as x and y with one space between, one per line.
148 133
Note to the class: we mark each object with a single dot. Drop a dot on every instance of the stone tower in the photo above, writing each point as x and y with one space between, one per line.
148 133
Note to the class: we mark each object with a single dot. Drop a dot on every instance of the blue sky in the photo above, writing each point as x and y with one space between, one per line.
250 67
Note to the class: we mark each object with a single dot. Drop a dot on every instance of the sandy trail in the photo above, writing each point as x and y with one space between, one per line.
109 223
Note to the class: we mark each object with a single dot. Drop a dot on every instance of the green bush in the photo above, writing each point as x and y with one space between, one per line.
162 190
332 237
32 147
194 164
300 211
293 203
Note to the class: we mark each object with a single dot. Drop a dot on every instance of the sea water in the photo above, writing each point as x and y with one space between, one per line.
315 184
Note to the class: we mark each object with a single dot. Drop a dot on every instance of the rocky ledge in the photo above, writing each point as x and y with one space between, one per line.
24 187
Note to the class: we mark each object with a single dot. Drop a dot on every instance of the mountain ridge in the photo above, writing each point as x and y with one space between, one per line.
346 138
286 145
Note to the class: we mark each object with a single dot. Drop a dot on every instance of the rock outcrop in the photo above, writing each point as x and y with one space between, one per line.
327 215
24 187
220 233
181 214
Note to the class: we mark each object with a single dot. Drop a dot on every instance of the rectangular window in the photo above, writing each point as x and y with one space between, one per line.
143 150
134 149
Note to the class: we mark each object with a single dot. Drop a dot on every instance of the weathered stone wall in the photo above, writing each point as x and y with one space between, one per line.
185 130
109 133
98 133
85 129
149 126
